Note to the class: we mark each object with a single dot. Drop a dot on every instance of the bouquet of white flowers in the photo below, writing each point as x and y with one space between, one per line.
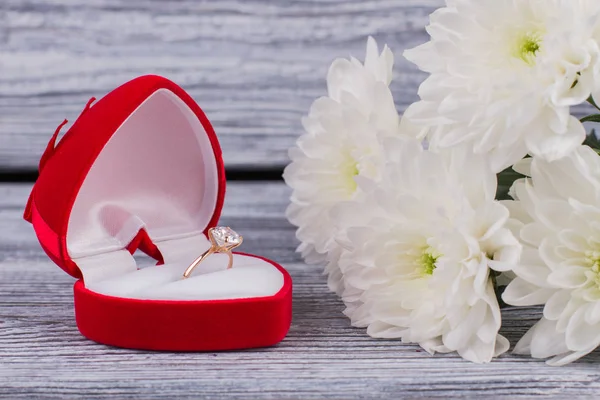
412 216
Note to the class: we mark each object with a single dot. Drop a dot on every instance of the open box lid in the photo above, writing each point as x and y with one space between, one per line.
140 166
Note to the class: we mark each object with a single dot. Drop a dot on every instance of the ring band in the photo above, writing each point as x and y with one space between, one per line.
223 240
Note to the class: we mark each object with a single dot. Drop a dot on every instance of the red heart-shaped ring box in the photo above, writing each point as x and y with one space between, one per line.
142 169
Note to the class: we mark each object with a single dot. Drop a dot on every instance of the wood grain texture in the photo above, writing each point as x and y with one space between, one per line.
253 66
43 355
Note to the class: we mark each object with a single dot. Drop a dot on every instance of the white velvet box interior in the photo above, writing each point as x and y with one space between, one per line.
158 172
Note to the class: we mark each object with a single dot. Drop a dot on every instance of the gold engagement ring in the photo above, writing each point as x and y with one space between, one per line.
223 240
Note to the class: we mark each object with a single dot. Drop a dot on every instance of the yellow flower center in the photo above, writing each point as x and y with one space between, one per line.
527 47
427 261
352 172
348 170
593 259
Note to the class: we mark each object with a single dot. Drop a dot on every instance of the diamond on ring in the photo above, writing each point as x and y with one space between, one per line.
226 237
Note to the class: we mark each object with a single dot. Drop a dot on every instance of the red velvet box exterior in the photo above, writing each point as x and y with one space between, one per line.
172 325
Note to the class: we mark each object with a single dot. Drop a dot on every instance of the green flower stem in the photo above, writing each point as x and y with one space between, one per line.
591 118
592 102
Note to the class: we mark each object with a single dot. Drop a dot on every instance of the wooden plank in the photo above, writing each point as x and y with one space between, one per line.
43 355
254 66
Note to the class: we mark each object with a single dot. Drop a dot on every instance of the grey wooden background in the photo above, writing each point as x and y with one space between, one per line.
254 66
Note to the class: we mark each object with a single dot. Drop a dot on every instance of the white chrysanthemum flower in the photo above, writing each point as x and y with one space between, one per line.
341 144
560 210
418 254
504 75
